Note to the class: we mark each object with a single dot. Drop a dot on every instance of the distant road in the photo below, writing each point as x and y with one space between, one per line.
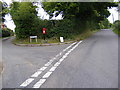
91 63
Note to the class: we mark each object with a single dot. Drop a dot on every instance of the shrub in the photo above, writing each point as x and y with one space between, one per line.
5 33
60 28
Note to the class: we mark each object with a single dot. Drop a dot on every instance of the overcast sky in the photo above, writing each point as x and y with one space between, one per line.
10 24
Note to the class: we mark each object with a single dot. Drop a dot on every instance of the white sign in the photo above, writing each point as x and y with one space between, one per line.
61 39
33 36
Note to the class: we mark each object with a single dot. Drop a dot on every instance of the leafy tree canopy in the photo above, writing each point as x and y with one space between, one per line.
4 10
24 16
80 10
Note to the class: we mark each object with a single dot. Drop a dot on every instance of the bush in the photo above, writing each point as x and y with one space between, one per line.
5 33
0 33
60 28
116 27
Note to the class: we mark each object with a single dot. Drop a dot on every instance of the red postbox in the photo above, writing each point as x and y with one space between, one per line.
43 30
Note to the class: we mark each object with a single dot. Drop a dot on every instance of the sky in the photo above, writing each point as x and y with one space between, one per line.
114 15
42 14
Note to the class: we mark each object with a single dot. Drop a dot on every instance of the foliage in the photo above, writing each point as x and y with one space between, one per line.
78 18
105 24
25 18
116 27
61 28
81 10
85 15
4 10
6 32
0 33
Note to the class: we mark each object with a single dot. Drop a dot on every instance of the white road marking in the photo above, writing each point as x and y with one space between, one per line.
36 74
43 68
69 46
57 55
47 64
52 69
56 65
60 53
50 61
27 82
47 75
39 83
53 59
64 56
61 59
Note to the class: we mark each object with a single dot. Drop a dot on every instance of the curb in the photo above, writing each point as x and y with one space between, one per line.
47 44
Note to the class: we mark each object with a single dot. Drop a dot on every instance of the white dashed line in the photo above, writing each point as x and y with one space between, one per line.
60 54
47 75
36 74
47 64
61 59
52 69
69 47
56 65
43 68
39 83
27 82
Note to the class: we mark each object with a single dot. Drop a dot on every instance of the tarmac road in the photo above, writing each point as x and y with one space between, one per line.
91 63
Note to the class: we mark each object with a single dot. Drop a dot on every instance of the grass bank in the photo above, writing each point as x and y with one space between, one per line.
54 39
116 32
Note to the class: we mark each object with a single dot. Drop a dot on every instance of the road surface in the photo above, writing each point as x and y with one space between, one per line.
91 63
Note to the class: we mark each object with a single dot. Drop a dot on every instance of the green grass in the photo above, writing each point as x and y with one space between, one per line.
84 35
39 41
54 39
116 32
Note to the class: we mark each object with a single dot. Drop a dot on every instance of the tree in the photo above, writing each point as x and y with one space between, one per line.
85 15
78 9
105 24
25 18
4 10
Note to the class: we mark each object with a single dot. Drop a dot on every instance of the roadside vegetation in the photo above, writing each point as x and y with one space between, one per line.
80 20
116 27
6 33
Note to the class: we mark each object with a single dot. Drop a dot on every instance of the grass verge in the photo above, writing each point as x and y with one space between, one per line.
116 32
54 40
